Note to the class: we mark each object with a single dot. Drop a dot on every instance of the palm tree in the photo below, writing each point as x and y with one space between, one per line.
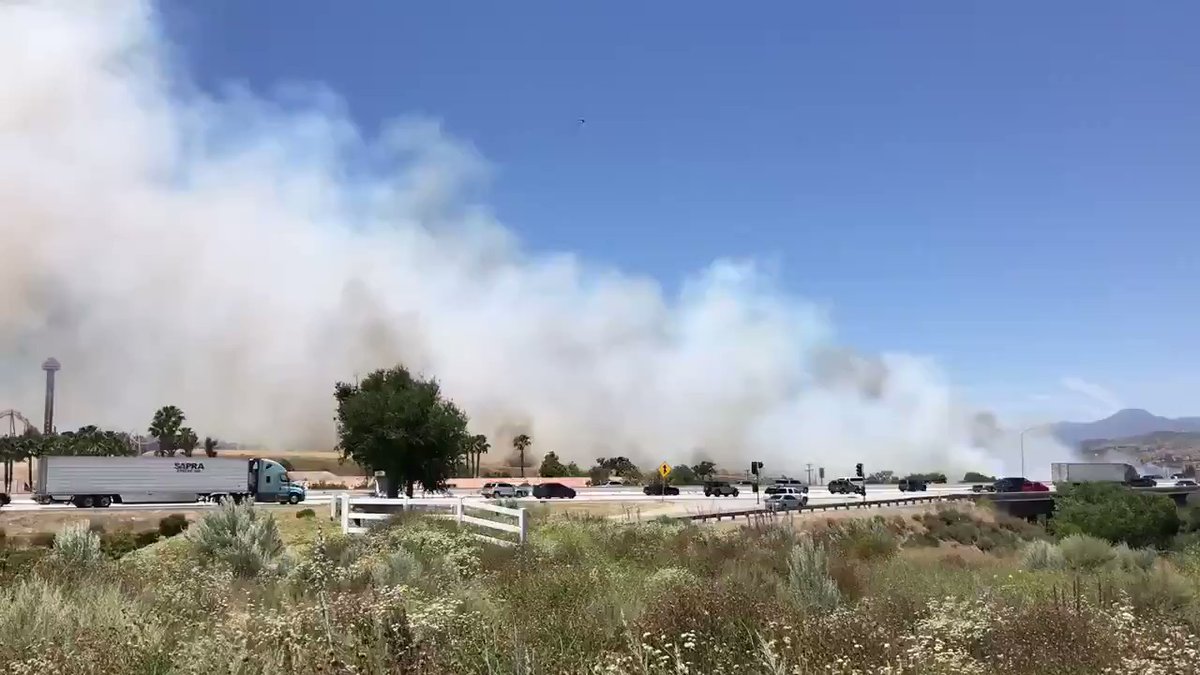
479 446
187 441
520 443
165 427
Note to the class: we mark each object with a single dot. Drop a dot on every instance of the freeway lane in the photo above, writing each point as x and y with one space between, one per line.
689 497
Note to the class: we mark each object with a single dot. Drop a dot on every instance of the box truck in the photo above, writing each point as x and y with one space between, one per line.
90 482
1092 472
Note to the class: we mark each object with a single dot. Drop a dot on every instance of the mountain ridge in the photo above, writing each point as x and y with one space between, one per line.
1124 425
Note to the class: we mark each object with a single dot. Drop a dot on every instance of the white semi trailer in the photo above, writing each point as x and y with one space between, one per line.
1091 472
90 482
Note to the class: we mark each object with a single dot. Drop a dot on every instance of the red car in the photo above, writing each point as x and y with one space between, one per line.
1034 486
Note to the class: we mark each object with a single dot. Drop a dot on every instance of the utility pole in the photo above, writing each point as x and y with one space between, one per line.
809 467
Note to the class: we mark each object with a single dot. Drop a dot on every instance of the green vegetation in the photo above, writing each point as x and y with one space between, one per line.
976 477
419 595
1116 514
401 425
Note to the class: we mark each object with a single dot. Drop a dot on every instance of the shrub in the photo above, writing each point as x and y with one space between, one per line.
866 539
808 580
76 547
145 538
172 525
1134 559
1083 552
397 568
1042 555
1118 515
1159 589
306 513
238 535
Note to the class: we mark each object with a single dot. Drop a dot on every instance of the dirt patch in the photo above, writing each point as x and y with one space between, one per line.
16 523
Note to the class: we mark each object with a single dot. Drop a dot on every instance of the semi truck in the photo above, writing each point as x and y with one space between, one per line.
1071 473
98 482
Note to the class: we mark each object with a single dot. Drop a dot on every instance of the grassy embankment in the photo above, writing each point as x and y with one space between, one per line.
938 592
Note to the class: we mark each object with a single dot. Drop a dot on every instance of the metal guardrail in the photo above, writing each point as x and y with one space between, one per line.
902 501
353 521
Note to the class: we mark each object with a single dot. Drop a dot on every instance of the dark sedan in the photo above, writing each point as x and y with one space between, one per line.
553 491
660 489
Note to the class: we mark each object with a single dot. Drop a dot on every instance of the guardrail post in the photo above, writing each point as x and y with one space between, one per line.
523 523
458 511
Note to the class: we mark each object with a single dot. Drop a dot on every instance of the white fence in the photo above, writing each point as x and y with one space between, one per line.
354 521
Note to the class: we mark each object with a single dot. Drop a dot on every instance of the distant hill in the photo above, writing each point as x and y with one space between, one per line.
1124 425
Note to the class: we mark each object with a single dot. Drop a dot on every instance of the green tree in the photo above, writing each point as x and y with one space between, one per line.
704 470
976 477
932 477
552 467
188 441
683 475
1115 513
598 475
881 477
401 425
520 444
210 446
574 470
165 426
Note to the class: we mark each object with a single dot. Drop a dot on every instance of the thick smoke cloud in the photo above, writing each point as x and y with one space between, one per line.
237 254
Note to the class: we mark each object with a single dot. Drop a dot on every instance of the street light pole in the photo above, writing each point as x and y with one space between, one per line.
1023 432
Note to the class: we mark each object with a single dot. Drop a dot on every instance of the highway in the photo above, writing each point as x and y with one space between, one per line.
689 497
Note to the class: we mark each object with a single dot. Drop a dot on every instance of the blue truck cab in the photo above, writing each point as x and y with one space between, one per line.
270 482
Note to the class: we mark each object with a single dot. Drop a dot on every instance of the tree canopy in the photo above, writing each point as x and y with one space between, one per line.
704 469
166 427
976 477
1115 513
400 424
552 466
87 440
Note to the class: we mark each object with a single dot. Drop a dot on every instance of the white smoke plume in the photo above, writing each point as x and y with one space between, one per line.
236 255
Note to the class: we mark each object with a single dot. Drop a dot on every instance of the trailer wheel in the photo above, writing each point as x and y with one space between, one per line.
293 498
105 501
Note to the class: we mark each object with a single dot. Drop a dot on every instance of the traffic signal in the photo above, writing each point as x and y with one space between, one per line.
755 466
858 470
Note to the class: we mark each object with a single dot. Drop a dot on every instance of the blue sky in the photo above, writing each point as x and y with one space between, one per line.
1008 187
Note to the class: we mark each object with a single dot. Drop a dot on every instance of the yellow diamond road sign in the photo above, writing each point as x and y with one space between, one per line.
664 469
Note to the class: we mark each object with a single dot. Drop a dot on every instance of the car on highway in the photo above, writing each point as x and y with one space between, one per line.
1009 484
785 490
553 491
1185 482
1034 486
498 490
661 489
719 488
786 502
847 486
1144 482
505 490
913 485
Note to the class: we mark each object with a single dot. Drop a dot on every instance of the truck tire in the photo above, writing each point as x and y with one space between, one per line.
104 502
293 498
84 501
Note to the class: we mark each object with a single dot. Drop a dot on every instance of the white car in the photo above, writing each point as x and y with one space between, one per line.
505 490
786 502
